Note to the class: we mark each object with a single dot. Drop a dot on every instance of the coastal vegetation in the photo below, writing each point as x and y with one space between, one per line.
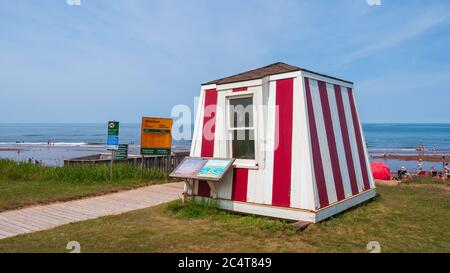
23 184
410 217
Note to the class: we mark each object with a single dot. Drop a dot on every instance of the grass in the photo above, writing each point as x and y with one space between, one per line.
23 184
406 218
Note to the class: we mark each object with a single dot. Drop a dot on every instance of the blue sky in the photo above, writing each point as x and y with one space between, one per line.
125 59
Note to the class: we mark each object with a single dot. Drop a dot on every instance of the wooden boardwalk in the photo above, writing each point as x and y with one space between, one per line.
44 217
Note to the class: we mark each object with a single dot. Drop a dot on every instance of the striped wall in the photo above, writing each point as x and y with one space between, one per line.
315 150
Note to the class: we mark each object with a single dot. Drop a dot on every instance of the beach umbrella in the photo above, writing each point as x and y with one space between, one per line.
381 171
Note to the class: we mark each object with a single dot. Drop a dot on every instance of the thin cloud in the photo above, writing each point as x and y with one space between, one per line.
411 30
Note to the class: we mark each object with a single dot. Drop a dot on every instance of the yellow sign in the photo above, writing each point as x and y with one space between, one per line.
156 136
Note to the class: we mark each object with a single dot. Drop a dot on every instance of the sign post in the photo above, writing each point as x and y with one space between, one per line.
112 143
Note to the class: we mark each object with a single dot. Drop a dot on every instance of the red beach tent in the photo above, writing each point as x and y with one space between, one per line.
381 171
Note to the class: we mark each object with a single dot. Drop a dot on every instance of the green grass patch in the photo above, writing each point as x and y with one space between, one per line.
405 218
427 180
24 184
20 171
208 209
194 209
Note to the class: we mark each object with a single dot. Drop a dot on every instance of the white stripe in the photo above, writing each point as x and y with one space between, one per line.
225 187
270 138
323 142
313 174
256 178
352 137
251 185
339 140
196 144
302 193
220 127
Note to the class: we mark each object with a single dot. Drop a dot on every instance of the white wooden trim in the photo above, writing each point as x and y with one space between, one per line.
325 79
239 84
293 214
209 86
242 163
282 76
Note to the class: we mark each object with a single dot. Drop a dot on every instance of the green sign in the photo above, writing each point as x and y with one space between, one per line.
155 151
122 152
113 135
113 128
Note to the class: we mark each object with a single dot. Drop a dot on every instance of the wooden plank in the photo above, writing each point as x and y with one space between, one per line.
49 216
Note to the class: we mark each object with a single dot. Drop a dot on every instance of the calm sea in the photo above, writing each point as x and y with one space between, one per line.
73 140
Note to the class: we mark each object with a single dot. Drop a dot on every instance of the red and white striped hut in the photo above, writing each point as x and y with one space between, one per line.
300 149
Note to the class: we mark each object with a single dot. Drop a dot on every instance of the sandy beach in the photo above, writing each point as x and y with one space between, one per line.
426 158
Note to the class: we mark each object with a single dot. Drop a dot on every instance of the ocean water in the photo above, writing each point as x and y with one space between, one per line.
406 137
22 141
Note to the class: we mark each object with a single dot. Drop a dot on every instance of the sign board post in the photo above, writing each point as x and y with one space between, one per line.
112 142
156 136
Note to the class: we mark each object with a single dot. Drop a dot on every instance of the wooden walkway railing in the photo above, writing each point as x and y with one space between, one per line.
164 163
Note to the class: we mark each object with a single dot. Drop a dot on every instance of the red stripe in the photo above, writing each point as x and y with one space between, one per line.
331 139
283 154
240 89
317 158
240 181
209 127
346 140
362 157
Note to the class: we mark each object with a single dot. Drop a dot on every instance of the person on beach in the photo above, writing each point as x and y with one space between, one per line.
421 150
402 173
419 166
432 172
434 150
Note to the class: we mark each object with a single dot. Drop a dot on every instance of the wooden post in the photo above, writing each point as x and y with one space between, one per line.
142 168
111 169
